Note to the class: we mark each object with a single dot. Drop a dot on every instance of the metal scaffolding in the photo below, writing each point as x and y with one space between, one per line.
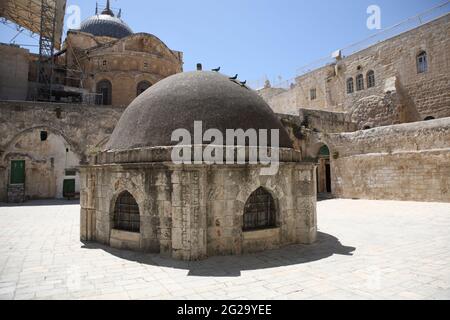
45 18
46 50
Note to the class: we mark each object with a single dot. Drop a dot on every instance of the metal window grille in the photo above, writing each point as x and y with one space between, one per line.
370 79
313 94
259 211
126 213
359 82
350 86
422 63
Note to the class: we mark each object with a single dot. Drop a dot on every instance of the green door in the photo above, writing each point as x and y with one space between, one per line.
69 187
18 172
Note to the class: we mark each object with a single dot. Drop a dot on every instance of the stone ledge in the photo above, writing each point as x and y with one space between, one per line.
261 234
125 240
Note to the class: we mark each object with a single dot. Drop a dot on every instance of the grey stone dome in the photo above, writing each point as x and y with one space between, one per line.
179 100
106 25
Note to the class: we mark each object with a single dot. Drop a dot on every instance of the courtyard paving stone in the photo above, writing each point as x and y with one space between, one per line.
365 250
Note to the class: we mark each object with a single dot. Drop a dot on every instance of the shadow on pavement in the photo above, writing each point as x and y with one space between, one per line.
232 266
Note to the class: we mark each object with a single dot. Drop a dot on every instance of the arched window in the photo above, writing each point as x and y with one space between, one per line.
422 62
350 85
370 79
104 91
324 151
142 86
126 213
359 82
259 211
429 118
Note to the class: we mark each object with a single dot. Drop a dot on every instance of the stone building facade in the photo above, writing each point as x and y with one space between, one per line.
104 62
134 196
409 162
399 80
52 140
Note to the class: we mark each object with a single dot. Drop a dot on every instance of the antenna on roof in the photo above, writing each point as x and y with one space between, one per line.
120 14
96 7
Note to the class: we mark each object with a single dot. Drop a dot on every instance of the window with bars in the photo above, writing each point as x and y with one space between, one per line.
126 213
259 211
359 82
422 62
370 79
350 85
313 94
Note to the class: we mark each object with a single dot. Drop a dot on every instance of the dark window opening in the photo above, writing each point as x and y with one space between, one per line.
142 86
429 118
44 135
350 85
313 94
422 62
370 79
126 213
259 211
359 82
104 91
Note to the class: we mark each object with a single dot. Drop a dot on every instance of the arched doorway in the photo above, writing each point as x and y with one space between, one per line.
126 213
104 91
324 172
259 211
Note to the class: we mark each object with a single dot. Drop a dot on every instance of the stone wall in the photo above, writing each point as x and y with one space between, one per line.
13 72
400 94
74 132
191 212
125 62
400 162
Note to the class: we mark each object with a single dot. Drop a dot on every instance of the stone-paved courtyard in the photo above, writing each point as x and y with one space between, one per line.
366 250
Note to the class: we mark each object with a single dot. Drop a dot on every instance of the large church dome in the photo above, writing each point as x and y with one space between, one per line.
179 100
106 24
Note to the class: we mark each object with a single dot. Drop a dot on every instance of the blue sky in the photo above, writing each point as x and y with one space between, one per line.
254 38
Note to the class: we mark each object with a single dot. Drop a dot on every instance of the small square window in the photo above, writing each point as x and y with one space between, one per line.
145 65
44 136
104 62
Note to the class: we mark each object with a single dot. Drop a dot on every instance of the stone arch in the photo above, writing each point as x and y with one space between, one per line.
260 211
50 164
104 90
126 214
126 185
73 146
142 86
